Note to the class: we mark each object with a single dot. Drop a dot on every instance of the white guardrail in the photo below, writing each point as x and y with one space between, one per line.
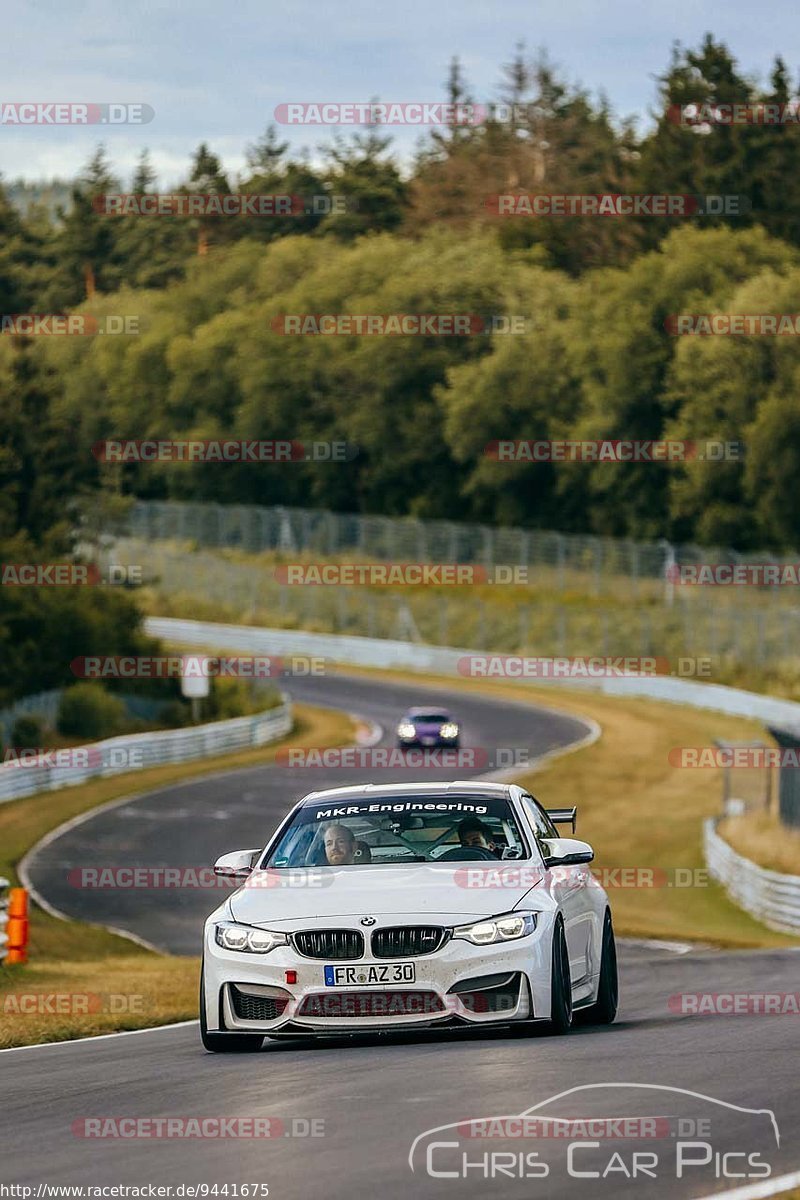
113 756
4 886
772 898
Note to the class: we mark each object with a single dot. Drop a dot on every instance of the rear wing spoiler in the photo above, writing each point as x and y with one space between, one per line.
563 816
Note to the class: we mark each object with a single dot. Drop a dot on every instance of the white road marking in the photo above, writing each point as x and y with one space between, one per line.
670 947
99 1037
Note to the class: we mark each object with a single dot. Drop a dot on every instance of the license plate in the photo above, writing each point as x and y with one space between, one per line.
428 741
370 973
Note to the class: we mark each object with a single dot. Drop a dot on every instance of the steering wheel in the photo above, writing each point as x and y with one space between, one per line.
467 854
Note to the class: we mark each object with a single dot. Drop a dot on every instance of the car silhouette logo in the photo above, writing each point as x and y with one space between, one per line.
367 920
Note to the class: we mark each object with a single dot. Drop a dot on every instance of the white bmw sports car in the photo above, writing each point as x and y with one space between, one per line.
408 906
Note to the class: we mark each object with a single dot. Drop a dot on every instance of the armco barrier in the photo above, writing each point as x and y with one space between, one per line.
3 918
772 898
139 750
443 660
767 895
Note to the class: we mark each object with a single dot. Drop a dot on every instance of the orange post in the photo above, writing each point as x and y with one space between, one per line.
17 927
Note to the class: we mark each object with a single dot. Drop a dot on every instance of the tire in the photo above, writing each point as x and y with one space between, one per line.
225 1043
604 1009
560 984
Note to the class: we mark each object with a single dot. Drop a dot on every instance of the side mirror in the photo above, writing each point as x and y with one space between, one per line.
236 865
565 852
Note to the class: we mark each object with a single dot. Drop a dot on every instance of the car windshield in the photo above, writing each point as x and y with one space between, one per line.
400 829
427 718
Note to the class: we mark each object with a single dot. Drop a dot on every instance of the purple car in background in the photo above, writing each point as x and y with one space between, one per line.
428 727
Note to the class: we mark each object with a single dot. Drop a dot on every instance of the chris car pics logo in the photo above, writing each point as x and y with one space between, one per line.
608 1133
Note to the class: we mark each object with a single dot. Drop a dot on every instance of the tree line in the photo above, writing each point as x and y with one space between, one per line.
595 357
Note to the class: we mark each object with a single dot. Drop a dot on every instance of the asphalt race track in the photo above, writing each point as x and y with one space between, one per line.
685 1079
193 824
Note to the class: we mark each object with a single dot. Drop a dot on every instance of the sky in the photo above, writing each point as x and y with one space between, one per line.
217 71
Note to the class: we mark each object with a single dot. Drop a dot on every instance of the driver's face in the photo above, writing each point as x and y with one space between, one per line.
474 837
339 846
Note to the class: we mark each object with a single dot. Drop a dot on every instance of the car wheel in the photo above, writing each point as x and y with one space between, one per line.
604 1009
225 1043
560 984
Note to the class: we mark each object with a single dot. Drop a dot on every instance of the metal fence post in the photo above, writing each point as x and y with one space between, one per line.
562 633
443 622
523 624
560 558
669 571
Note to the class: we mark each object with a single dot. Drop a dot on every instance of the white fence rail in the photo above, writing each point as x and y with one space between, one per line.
4 886
415 656
772 898
769 896
140 750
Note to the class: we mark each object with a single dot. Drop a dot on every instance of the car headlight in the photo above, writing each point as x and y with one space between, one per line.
497 929
449 730
231 936
406 730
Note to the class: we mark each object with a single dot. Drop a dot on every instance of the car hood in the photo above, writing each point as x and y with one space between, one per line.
380 891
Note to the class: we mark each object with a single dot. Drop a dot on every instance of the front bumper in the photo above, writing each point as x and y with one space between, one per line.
458 985
428 741
428 744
